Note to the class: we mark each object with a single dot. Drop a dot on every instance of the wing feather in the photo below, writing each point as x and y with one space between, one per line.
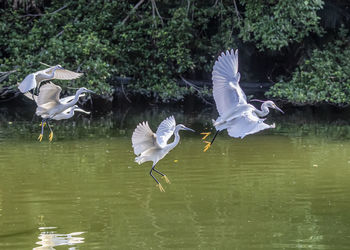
49 93
143 138
64 74
226 90
28 83
165 131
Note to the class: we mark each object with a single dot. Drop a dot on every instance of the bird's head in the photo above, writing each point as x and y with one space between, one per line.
272 105
85 90
58 67
183 127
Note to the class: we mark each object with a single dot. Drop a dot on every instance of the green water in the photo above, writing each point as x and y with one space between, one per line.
286 188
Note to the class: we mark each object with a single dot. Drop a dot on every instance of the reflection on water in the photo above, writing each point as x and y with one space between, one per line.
286 188
50 239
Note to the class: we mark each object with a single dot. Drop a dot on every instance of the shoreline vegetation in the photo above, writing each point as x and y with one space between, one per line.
157 52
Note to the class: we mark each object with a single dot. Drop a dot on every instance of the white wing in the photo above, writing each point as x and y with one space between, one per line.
28 83
226 90
49 93
247 124
64 74
143 138
165 131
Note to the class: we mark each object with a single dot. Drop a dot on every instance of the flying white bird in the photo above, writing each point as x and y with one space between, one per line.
66 114
235 114
149 146
50 106
33 80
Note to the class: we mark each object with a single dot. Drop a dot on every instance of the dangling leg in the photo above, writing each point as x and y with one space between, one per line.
163 176
51 132
158 184
42 129
210 143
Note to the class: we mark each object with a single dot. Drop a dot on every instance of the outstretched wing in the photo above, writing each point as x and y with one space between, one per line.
49 93
143 138
165 131
64 74
247 124
28 83
226 90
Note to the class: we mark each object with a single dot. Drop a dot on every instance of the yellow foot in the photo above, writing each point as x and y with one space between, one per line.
166 179
206 147
42 124
206 134
40 137
161 187
51 136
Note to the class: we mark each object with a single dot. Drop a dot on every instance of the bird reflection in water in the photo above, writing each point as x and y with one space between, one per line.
50 239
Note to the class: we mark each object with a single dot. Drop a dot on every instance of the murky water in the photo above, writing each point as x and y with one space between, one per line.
286 188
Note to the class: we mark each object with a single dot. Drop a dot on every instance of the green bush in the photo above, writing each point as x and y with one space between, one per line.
157 44
324 77
92 36
275 24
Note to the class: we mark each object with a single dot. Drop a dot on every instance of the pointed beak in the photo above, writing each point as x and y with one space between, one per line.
280 110
189 129
90 91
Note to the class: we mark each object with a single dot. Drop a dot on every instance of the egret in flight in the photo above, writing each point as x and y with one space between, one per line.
50 106
33 80
235 114
66 114
149 146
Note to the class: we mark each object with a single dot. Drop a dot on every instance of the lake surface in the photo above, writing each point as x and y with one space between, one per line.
286 188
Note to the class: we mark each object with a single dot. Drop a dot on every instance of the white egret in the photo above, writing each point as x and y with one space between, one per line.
149 146
235 114
66 114
33 80
50 106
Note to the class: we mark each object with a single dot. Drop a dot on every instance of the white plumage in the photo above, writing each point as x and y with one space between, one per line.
149 146
235 114
50 106
33 80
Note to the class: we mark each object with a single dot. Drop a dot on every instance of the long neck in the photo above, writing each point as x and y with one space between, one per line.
176 140
264 110
74 101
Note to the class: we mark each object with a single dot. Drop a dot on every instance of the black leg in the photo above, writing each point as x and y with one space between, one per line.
163 176
51 132
43 125
212 141
158 172
42 129
150 172
159 185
